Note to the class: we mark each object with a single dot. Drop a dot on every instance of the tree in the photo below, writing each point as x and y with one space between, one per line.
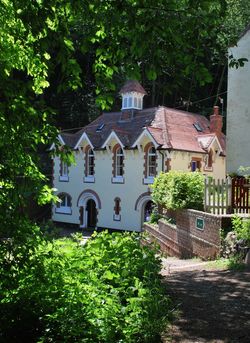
42 45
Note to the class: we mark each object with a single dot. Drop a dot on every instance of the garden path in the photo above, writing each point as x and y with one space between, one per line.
213 304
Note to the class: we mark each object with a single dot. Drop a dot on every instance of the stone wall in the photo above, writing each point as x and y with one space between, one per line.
196 233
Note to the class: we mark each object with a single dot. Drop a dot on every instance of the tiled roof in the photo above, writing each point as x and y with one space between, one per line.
170 128
132 86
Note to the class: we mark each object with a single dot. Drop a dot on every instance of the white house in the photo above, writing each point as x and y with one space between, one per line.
119 154
238 107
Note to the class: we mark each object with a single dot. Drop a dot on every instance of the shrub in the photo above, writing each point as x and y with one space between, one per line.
242 228
177 189
108 290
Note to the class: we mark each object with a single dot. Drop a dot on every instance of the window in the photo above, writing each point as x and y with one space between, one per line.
64 204
198 127
91 157
195 164
151 170
118 165
135 102
119 162
125 102
117 209
89 165
150 158
100 127
130 102
64 171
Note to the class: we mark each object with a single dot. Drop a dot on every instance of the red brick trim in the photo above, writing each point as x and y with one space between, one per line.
196 159
145 165
81 215
114 150
93 193
117 210
86 160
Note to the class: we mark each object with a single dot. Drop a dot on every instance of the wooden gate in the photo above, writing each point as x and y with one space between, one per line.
240 195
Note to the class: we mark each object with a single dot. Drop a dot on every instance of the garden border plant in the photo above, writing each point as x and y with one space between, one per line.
179 190
108 290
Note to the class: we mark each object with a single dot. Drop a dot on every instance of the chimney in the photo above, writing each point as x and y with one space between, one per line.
216 122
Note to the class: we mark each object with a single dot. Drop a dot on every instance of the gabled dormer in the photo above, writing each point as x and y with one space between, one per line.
132 95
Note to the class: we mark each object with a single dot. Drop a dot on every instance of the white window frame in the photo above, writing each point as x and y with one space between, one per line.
119 166
64 169
66 201
91 157
149 162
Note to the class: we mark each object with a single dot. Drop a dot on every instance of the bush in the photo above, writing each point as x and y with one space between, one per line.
177 189
108 290
242 228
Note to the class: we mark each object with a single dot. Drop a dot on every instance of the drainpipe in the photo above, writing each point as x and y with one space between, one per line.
162 160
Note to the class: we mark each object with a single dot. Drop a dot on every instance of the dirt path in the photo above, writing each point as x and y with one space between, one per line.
214 305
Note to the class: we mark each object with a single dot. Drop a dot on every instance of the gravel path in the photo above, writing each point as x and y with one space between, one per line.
213 305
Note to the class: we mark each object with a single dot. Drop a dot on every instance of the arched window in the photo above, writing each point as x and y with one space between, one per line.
64 204
151 162
117 209
64 171
89 165
119 157
90 162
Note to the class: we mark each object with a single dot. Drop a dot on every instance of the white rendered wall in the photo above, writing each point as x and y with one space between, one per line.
238 108
128 192
180 160
107 191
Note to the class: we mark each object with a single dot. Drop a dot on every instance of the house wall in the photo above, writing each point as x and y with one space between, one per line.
132 190
238 108
180 160
107 191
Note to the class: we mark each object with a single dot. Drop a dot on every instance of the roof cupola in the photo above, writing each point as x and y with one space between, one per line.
132 95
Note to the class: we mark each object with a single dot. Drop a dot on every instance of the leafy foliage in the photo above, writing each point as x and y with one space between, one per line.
177 189
242 228
108 290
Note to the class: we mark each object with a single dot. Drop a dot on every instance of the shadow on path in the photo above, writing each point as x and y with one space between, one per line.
214 306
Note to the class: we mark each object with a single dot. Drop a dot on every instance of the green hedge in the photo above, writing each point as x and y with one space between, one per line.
109 290
177 189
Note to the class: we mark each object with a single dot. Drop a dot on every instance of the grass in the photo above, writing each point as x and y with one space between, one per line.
227 263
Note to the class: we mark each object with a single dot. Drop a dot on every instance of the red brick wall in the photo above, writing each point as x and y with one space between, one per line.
184 239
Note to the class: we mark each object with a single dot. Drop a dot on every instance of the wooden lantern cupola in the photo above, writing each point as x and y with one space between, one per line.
132 95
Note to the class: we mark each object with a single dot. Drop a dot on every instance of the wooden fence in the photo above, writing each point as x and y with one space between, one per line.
227 196
240 195
217 197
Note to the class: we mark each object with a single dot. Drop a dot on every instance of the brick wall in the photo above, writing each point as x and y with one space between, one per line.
185 239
